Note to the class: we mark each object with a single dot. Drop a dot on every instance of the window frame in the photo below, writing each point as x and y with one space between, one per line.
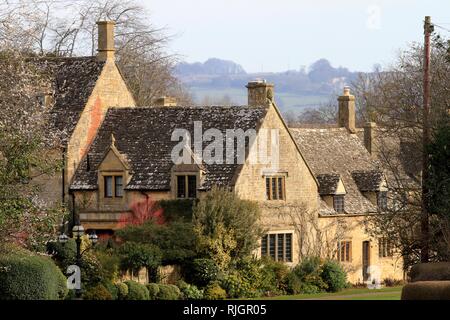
337 197
281 240
382 196
344 251
275 187
385 249
187 189
114 184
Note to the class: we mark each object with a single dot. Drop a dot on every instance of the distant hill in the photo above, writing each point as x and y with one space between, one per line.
219 80
212 66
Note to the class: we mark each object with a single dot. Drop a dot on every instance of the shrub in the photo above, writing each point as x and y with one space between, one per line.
153 290
308 273
176 240
202 271
214 292
136 291
426 290
122 290
389 282
430 271
189 291
134 256
112 289
334 276
226 226
237 285
24 275
168 292
293 283
274 276
109 262
99 292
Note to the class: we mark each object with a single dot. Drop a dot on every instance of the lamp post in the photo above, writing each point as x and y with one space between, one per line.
77 233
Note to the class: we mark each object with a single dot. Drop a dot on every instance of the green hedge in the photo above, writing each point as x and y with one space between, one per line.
99 292
163 291
27 276
136 291
176 209
215 292
426 290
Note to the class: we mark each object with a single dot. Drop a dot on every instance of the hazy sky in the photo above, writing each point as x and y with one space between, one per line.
274 35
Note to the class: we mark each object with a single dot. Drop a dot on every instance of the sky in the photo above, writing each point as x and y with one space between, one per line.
279 35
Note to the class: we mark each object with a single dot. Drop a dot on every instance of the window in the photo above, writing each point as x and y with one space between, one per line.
278 246
344 251
275 188
382 200
338 203
108 186
187 186
384 248
118 186
113 186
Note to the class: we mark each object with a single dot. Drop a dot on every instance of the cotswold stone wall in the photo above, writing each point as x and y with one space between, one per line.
109 91
300 186
351 228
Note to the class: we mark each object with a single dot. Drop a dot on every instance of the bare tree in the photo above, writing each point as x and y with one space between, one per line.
393 99
325 114
69 29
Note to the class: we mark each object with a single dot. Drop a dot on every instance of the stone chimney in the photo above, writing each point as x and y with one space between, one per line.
346 117
260 93
165 101
370 129
106 48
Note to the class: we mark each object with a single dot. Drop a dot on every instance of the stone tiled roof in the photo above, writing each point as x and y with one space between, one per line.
401 162
143 136
70 81
332 153
328 183
367 181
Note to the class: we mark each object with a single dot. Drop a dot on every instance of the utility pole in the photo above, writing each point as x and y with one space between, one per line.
425 225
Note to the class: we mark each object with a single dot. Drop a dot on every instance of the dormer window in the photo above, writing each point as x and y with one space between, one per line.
338 203
113 186
186 186
382 200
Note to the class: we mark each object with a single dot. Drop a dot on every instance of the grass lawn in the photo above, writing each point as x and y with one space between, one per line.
391 293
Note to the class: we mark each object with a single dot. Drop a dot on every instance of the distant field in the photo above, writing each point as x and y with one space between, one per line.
285 101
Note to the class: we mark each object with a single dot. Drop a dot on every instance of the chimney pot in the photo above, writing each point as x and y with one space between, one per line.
260 93
106 47
370 129
346 116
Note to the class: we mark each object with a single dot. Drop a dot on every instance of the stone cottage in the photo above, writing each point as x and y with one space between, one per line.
315 186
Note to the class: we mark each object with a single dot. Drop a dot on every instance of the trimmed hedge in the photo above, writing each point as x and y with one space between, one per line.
168 292
99 292
426 290
136 291
189 291
153 290
122 291
430 271
27 276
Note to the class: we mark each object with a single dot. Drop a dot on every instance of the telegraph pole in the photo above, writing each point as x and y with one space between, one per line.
425 232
